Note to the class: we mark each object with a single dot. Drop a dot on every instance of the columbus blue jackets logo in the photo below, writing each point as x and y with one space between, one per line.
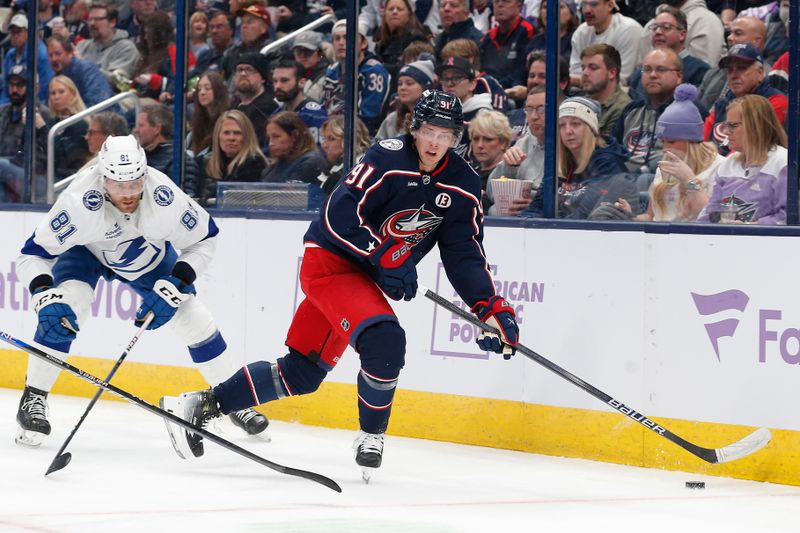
93 200
719 134
133 256
163 195
392 144
745 211
411 225
638 142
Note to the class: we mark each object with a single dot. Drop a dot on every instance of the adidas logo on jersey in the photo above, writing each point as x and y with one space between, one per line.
413 184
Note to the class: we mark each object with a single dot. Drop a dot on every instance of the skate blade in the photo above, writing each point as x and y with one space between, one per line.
264 436
32 439
366 473
171 406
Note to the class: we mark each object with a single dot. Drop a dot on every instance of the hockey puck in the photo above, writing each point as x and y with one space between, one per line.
695 484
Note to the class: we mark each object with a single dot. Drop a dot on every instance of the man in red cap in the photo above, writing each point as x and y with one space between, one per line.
254 32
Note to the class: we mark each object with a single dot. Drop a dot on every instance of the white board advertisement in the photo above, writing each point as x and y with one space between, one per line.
696 327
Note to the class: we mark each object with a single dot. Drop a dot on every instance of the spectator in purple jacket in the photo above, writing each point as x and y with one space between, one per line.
750 186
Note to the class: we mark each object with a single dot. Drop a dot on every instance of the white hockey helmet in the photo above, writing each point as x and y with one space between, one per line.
122 159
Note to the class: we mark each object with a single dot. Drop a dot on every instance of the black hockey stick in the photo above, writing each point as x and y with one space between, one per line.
62 459
331 484
741 448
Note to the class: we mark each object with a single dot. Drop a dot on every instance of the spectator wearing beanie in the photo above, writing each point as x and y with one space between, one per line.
412 80
250 76
685 173
591 169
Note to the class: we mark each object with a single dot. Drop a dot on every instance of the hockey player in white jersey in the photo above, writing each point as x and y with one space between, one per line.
123 220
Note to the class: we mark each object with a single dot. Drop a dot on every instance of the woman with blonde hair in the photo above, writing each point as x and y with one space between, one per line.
198 32
234 156
684 176
590 168
293 152
332 135
750 185
71 148
490 135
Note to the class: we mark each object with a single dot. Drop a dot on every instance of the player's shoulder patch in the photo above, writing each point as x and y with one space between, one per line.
93 200
163 195
392 144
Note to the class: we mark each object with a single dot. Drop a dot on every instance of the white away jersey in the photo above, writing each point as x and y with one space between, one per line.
129 244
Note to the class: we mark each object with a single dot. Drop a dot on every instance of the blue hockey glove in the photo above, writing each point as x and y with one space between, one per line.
57 320
168 293
397 274
497 313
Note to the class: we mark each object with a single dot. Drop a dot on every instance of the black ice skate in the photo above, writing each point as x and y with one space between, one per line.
251 421
32 417
369 453
197 408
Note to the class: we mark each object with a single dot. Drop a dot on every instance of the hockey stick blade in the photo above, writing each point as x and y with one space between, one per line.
59 461
63 458
744 447
737 450
312 476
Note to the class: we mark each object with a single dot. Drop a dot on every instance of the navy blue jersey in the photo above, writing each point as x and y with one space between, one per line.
386 195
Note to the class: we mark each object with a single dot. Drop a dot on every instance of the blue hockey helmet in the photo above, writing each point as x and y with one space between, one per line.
439 109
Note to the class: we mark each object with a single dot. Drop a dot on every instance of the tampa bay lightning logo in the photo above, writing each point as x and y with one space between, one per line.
93 200
163 195
135 255
411 225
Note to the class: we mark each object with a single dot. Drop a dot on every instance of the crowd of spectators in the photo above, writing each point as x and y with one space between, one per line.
670 111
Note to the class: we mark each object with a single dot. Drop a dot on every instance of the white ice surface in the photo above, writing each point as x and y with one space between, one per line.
124 476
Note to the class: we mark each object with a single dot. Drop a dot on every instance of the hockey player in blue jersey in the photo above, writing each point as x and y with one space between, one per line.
120 219
407 195
373 80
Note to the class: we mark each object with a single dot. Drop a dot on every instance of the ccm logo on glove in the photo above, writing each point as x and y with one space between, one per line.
45 298
163 301
169 293
57 321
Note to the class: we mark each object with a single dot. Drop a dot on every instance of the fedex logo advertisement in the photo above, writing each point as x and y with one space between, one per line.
724 312
453 336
